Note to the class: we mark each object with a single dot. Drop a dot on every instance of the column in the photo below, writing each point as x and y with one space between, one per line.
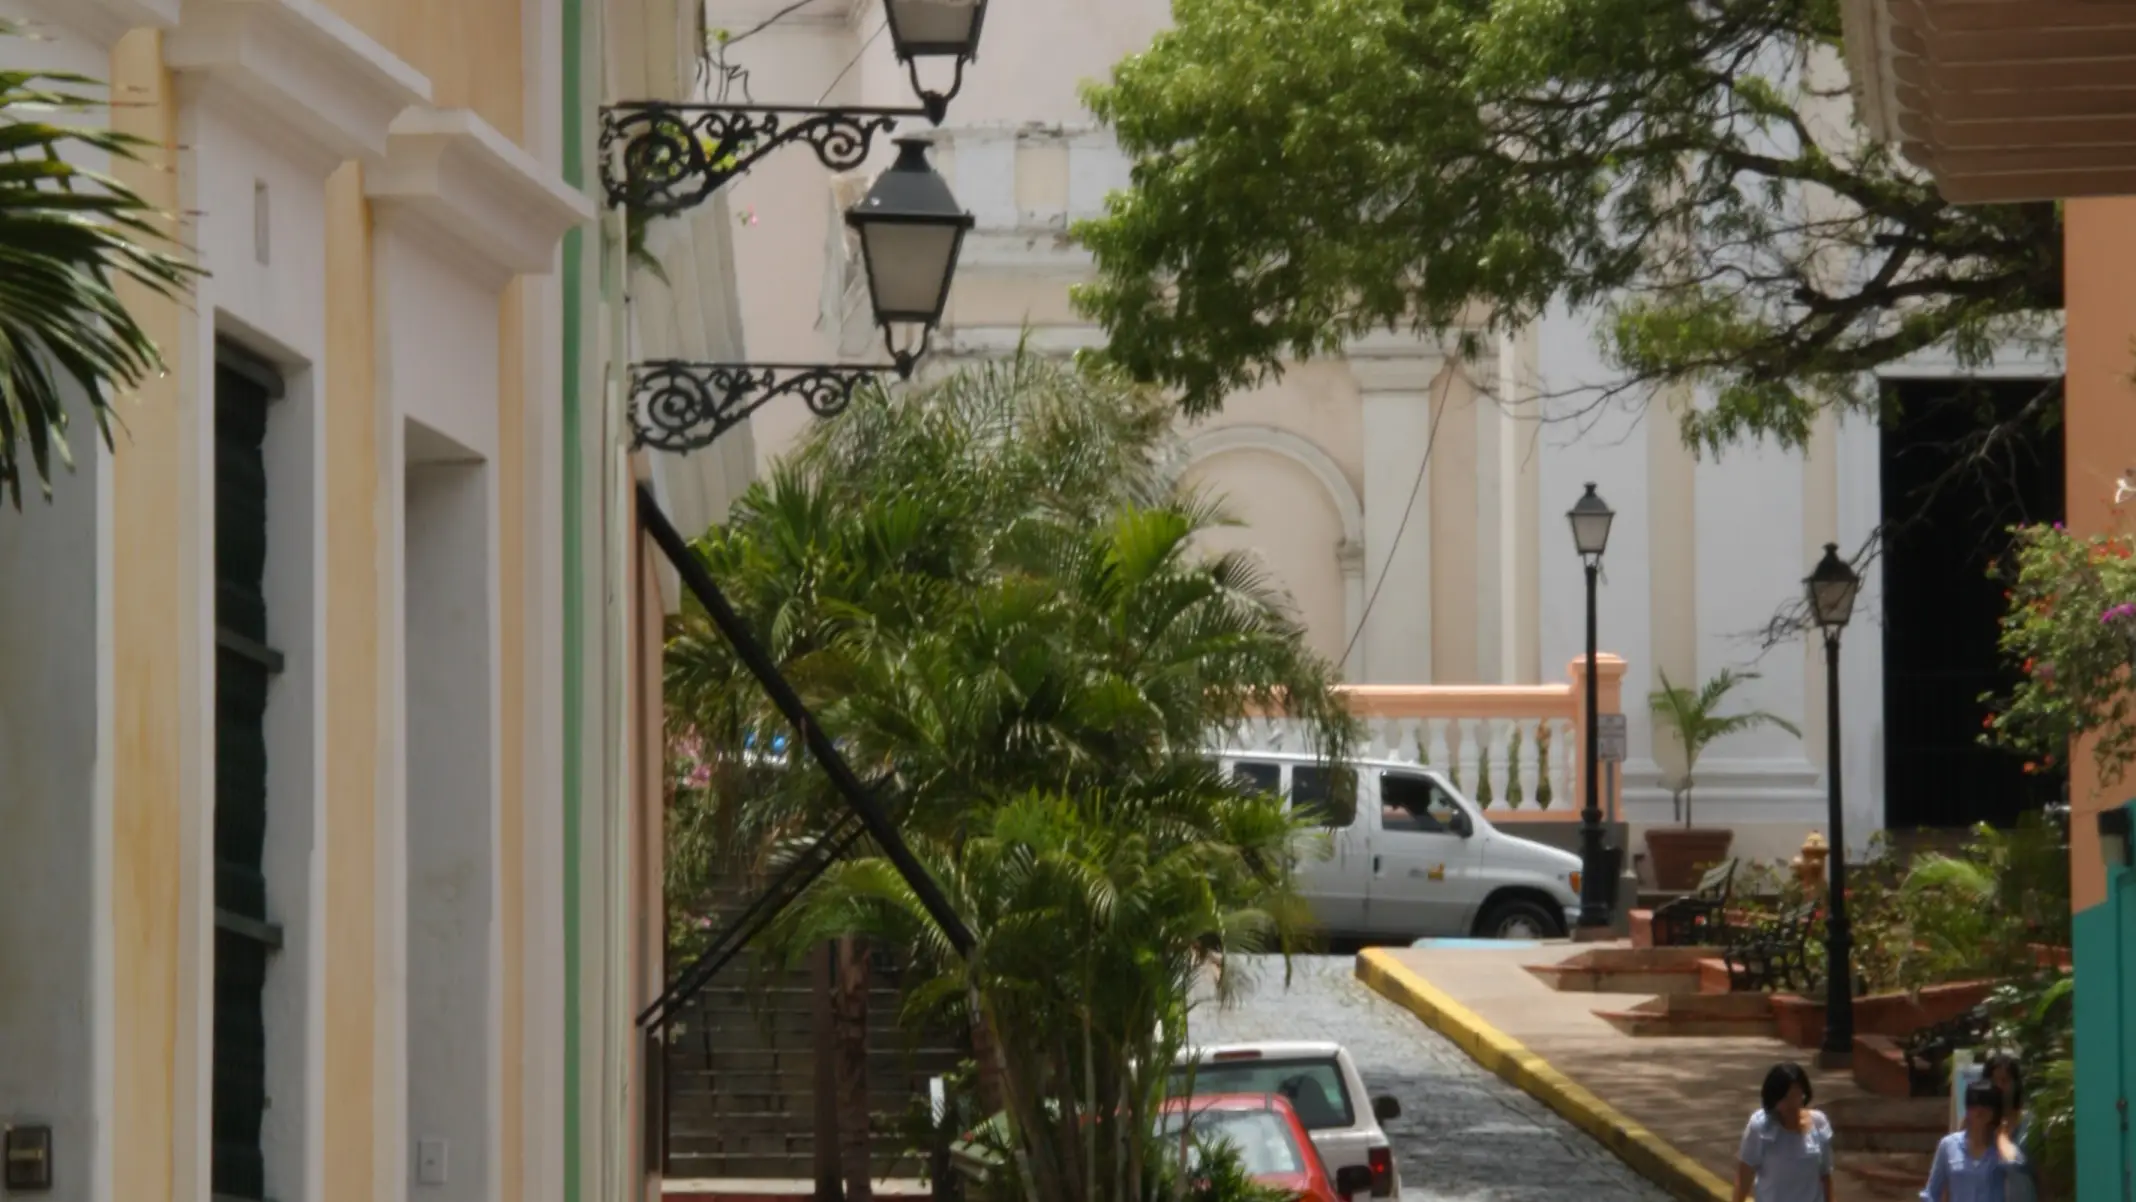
1350 559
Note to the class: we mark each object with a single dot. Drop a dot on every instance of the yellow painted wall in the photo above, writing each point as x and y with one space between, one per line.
153 623
352 596
2099 433
512 648
469 49
472 53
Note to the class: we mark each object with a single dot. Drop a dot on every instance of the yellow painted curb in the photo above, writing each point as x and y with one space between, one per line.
1645 1152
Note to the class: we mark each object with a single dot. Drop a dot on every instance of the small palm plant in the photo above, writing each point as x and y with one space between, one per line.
1696 720
68 235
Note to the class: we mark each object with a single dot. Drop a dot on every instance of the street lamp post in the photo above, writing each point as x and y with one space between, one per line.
1832 588
1590 517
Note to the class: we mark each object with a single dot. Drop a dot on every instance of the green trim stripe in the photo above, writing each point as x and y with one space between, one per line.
574 570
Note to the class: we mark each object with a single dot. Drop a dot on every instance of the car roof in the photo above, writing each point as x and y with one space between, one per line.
1229 1101
1273 1049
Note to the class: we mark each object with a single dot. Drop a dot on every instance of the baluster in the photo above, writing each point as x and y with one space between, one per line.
1456 763
1519 778
1566 742
1543 755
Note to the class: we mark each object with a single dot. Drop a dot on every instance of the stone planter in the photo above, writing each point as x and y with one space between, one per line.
1681 854
1800 1021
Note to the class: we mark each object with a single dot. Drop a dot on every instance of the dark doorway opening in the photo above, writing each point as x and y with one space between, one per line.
1945 532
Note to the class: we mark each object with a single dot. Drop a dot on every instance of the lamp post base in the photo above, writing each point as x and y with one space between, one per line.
1834 1060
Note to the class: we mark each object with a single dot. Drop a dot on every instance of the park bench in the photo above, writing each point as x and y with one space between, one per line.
1696 919
1770 952
1928 1051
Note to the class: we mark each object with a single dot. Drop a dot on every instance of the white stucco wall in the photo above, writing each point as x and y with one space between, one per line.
451 846
55 788
55 808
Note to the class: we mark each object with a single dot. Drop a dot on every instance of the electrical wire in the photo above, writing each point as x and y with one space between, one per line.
852 62
1431 439
771 20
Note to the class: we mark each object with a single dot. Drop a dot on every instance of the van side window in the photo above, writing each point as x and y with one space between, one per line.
1328 796
1415 803
1258 774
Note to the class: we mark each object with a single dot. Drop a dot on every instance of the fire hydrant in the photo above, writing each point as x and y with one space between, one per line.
1810 865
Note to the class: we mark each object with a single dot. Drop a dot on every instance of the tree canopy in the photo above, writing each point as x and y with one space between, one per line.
1305 171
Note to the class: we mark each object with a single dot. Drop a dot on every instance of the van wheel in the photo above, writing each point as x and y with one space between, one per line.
1517 918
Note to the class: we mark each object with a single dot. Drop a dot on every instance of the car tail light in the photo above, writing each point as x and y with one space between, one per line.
1382 1161
1248 1055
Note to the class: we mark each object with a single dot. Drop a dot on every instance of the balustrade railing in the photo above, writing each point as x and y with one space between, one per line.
1516 750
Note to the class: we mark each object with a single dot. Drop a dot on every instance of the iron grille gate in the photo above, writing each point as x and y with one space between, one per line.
864 816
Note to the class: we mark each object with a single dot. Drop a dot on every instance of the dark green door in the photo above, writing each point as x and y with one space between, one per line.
245 666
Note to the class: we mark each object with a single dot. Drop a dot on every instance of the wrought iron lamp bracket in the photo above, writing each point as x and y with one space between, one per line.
680 405
661 159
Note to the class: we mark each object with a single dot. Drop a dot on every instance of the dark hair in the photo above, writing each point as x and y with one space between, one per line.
1777 1081
1983 1093
2008 1063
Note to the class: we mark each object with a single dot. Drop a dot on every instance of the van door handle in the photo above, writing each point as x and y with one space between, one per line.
1375 865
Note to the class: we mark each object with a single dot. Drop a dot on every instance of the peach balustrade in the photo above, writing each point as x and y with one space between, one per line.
1515 749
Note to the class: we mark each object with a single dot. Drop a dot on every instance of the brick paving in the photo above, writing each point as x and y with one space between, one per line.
1464 1135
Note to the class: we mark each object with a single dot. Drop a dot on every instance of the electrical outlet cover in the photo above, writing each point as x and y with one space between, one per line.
430 1162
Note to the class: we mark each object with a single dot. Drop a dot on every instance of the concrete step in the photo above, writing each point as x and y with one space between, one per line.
1903 1126
1885 1175
1663 970
1683 1014
754 1166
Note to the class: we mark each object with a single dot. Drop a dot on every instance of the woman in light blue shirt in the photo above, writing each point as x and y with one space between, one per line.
2003 1069
1786 1154
1973 1164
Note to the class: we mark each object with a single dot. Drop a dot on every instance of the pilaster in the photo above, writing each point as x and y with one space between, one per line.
1396 377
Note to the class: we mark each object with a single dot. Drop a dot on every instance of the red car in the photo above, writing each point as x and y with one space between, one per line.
1273 1145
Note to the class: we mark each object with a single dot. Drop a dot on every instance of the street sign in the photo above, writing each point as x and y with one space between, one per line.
1611 739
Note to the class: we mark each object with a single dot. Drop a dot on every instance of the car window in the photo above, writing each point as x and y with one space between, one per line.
1314 1088
1328 796
1264 775
1262 1138
1416 803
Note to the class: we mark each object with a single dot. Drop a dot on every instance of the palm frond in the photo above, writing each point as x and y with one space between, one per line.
68 236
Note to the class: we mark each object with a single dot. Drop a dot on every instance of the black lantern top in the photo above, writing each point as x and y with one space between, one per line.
911 231
1590 517
1832 588
935 29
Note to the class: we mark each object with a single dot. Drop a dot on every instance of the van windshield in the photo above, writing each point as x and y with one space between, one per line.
1314 1088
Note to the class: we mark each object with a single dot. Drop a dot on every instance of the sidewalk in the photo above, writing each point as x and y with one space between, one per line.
1673 1107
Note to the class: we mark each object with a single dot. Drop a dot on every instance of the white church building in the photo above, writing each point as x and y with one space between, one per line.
1413 504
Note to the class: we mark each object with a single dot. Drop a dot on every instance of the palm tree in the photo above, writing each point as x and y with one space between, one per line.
67 235
985 588
1093 916
1696 719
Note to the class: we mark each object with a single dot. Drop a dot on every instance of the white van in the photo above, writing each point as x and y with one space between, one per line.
1412 856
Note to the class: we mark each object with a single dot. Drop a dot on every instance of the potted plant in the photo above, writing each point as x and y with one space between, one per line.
1694 717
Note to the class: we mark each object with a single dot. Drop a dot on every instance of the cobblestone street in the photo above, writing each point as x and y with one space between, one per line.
1464 1135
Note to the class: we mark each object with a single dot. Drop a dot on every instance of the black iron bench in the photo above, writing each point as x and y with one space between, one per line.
1696 919
1928 1051
1771 952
